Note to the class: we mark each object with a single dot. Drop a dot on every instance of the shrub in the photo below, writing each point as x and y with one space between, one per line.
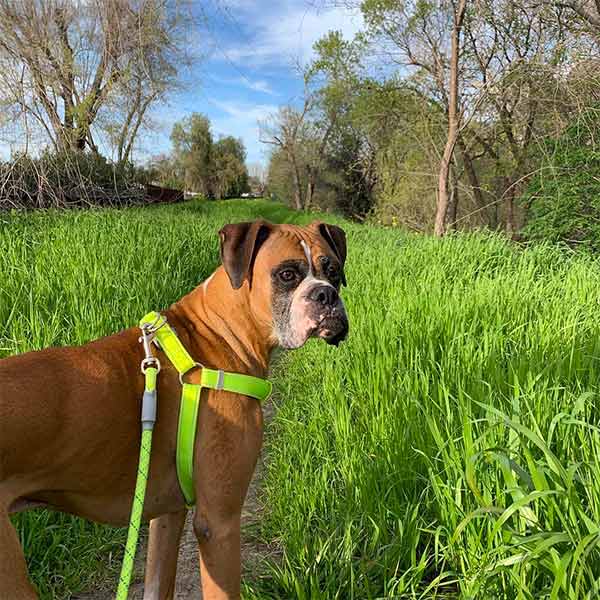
68 179
563 199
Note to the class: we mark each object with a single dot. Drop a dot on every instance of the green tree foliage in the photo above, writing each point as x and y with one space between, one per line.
563 197
214 169
192 153
349 176
376 110
280 177
230 177
324 158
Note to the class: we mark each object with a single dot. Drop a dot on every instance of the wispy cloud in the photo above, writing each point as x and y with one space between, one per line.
286 37
259 86
256 85
245 111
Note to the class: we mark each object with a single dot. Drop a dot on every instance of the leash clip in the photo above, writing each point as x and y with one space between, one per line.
148 333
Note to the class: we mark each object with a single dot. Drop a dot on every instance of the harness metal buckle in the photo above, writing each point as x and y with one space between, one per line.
148 335
196 365
220 379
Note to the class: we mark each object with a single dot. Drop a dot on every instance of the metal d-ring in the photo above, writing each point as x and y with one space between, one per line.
196 365
148 361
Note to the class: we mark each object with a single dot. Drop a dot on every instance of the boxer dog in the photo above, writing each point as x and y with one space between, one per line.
70 417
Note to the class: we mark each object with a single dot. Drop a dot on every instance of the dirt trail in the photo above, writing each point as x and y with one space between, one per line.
188 573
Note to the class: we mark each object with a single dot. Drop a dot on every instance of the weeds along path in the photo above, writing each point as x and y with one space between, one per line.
69 277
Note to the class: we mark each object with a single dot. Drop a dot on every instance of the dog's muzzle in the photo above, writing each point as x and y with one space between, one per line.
333 322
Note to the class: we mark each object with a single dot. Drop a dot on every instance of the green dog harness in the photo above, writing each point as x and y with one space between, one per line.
155 328
213 379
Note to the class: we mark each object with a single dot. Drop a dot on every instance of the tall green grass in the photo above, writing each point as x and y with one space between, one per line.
450 447
70 277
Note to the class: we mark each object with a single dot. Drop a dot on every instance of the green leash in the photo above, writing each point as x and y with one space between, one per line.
148 407
154 327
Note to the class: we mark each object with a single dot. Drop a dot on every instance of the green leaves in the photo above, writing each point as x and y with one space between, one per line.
564 194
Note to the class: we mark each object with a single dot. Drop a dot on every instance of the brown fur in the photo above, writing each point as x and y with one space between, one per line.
70 430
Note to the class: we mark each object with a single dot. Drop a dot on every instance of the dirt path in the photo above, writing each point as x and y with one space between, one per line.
188 577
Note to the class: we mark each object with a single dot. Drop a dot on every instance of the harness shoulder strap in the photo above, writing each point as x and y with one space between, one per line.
214 379
169 342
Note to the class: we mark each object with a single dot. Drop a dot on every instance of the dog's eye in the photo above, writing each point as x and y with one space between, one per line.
287 275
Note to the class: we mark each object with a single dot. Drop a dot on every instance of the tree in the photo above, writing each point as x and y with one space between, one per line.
288 131
279 176
587 10
426 37
327 155
493 69
65 65
230 173
454 118
199 164
521 57
193 153
257 177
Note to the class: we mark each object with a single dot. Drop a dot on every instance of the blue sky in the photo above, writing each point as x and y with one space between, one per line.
251 49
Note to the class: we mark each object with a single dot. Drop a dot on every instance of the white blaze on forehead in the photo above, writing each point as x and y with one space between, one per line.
310 277
308 255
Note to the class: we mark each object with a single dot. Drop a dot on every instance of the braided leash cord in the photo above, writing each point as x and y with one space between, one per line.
139 495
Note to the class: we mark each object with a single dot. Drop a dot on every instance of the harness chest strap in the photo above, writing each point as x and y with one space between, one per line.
214 379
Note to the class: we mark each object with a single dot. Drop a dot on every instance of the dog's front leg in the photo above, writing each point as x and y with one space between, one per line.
219 542
14 582
229 441
161 563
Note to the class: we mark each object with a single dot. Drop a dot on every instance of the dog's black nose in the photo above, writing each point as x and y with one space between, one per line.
325 295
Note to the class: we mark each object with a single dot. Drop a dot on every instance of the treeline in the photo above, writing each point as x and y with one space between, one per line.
84 76
200 164
77 87
197 164
445 115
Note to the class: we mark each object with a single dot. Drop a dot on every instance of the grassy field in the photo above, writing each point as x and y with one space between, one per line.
448 449
70 277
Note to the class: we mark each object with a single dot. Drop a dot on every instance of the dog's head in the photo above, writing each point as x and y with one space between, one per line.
292 275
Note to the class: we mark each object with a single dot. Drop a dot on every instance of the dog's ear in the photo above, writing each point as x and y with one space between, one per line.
240 243
336 238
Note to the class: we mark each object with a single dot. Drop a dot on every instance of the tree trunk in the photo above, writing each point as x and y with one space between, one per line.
126 155
453 205
453 124
298 203
310 188
80 141
472 177
511 225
